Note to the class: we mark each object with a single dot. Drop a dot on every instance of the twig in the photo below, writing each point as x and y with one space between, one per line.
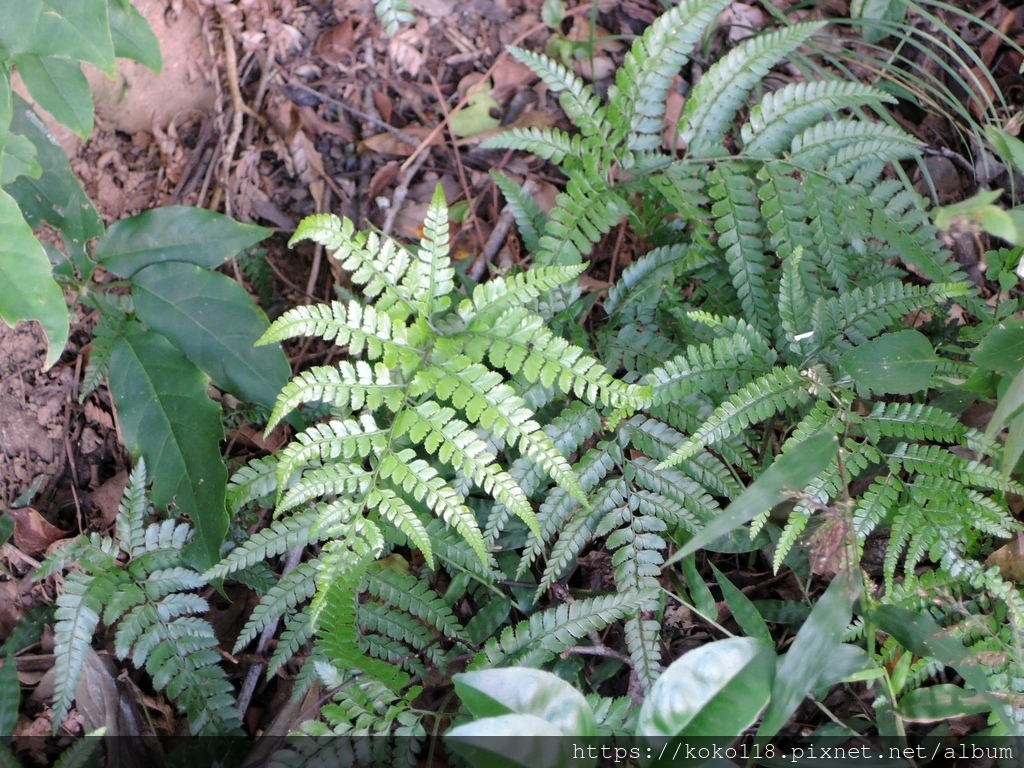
252 677
598 650
400 192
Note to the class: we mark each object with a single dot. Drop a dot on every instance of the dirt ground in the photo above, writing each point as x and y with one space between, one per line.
271 110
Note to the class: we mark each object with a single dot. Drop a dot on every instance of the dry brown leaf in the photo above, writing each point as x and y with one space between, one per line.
108 496
335 44
32 532
1009 559
390 144
406 49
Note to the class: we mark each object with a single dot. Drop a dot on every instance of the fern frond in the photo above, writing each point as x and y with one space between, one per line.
422 482
76 618
357 325
548 633
784 113
334 480
648 273
346 385
794 304
912 421
392 14
577 99
821 145
741 235
393 508
486 400
294 587
575 534
585 212
337 439
636 104
456 445
334 609
298 630
257 478
507 292
404 592
936 461
704 367
431 278
782 388
132 511
548 143
530 219
282 535
714 101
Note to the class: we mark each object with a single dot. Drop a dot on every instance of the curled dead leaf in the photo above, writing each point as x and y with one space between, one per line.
32 532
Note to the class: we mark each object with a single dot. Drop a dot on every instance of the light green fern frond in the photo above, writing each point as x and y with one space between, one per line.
636 104
714 101
784 113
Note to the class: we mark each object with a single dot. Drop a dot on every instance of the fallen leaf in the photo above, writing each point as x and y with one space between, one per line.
481 113
108 496
32 533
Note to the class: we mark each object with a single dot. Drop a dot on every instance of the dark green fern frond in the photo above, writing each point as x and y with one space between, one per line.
548 633
780 389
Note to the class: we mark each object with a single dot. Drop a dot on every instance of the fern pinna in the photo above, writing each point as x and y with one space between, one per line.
781 241
430 415
140 584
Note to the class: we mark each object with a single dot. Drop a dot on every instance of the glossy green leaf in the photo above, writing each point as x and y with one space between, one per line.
6 530
1002 349
895 363
513 741
19 159
848 663
514 690
1010 147
941 702
10 695
212 319
174 233
59 86
167 418
717 689
1013 448
700 596
27 288
55 197
811 653
132 36
921 635
73 29
791 472
744 611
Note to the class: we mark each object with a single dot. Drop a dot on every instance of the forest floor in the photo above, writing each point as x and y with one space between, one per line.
271 110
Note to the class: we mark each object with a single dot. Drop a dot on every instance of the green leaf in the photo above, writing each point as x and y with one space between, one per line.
174 233
744 611
895 363
10 695
476 117
55 197
980 211
518 690
922 636
74 29
27 289
212 319
19 159
1010 147
791 472
1002 349
942 702
717 689
59 86
511 741
810 655
166 418
6 531
132 36
6 109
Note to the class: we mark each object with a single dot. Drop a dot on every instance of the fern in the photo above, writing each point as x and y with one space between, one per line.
158 616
